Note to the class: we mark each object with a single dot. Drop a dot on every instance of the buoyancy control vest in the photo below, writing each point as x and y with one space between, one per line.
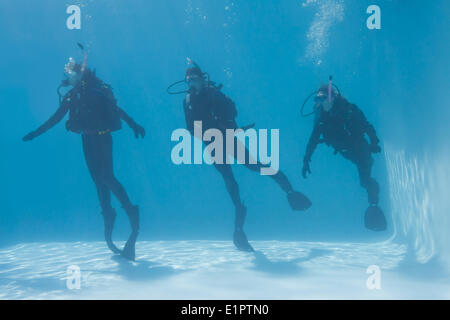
92 110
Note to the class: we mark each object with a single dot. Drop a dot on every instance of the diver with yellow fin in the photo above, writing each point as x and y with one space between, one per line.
93 113
205 102
343 126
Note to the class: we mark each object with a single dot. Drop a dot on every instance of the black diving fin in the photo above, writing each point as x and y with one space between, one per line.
374 219
240 241
298 201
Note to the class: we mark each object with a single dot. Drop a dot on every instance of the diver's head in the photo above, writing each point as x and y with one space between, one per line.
73 72
323 100
195 79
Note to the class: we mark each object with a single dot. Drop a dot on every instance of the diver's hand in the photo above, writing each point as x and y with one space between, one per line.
375 148
138 131
306 169
30 136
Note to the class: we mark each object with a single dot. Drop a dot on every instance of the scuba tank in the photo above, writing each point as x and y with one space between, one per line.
93 110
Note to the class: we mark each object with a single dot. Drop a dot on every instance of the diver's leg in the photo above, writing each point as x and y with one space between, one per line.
108 171
364 164
239 237
132 212
108 213
256 166
280 178
297 200
90 150
374 218
118 190
230 182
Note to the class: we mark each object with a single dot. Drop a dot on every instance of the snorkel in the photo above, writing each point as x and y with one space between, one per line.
83 66
330 97
201 74
73 72
328 103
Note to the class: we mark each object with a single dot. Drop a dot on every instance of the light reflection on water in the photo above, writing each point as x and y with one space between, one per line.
420 203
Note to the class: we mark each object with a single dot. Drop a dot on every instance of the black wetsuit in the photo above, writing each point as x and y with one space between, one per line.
212 107
96 139
343 128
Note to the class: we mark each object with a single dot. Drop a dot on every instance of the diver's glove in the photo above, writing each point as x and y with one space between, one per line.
30 136
375 148
306 169
138 130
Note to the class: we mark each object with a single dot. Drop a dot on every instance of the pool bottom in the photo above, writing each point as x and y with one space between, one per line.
216 270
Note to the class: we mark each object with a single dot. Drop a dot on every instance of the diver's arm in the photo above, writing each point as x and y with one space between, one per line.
138 129
188 117
374 141
107 96
371 133
312 144
125 117
368 129
51 122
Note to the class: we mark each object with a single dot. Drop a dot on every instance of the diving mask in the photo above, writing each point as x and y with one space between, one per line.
73 72
322 100
195 82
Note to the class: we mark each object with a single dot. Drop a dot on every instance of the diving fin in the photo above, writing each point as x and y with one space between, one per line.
374 219
298 201
241 242
109 217
129 250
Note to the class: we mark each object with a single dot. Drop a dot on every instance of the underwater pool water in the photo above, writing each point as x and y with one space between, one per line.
269 57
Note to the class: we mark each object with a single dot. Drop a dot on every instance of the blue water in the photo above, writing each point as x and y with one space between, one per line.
269 56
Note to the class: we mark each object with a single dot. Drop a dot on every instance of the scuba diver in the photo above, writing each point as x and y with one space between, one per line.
205 102
94 114
343 126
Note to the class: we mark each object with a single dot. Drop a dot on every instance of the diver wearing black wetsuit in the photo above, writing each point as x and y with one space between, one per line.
343 126
94 114
205 102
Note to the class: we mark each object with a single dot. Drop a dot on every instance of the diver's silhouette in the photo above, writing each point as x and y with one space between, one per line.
205 102
342 125
94 114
